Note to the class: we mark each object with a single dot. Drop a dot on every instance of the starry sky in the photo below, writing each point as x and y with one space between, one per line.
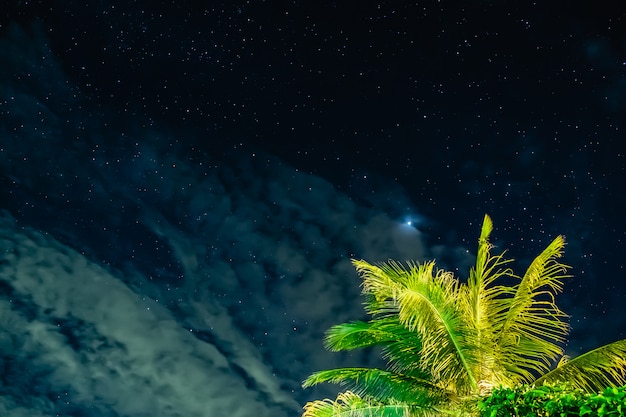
183 184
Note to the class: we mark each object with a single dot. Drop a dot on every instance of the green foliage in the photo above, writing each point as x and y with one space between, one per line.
553 400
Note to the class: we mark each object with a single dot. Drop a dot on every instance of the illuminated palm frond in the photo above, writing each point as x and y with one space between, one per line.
483 304
349 404
592 371
383 385
533 329
426 303
400 346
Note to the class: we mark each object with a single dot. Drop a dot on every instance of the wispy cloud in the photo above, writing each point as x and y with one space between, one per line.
100 344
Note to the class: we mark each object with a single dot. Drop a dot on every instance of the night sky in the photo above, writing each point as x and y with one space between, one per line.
183 184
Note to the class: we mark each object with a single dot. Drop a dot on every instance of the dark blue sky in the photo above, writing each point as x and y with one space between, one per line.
210 170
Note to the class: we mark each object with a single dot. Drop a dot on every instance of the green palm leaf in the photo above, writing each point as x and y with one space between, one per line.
592 371
400 346
359 334
483 304
383 385
349 404
532 329
426 302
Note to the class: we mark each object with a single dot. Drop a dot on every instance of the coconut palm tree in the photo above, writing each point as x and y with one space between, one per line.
448 343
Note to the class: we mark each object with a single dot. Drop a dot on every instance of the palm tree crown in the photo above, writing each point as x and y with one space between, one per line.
447 343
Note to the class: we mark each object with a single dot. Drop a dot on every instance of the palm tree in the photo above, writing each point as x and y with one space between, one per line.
448 343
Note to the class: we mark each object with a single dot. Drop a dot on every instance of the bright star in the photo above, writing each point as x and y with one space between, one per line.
410 222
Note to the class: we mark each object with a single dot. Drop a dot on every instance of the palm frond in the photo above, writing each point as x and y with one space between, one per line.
483 304
594 370
426 303
400 346
531 327
349 404
383 385
488 268
359 334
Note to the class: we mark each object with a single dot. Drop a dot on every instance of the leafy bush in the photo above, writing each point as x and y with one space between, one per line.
553 401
